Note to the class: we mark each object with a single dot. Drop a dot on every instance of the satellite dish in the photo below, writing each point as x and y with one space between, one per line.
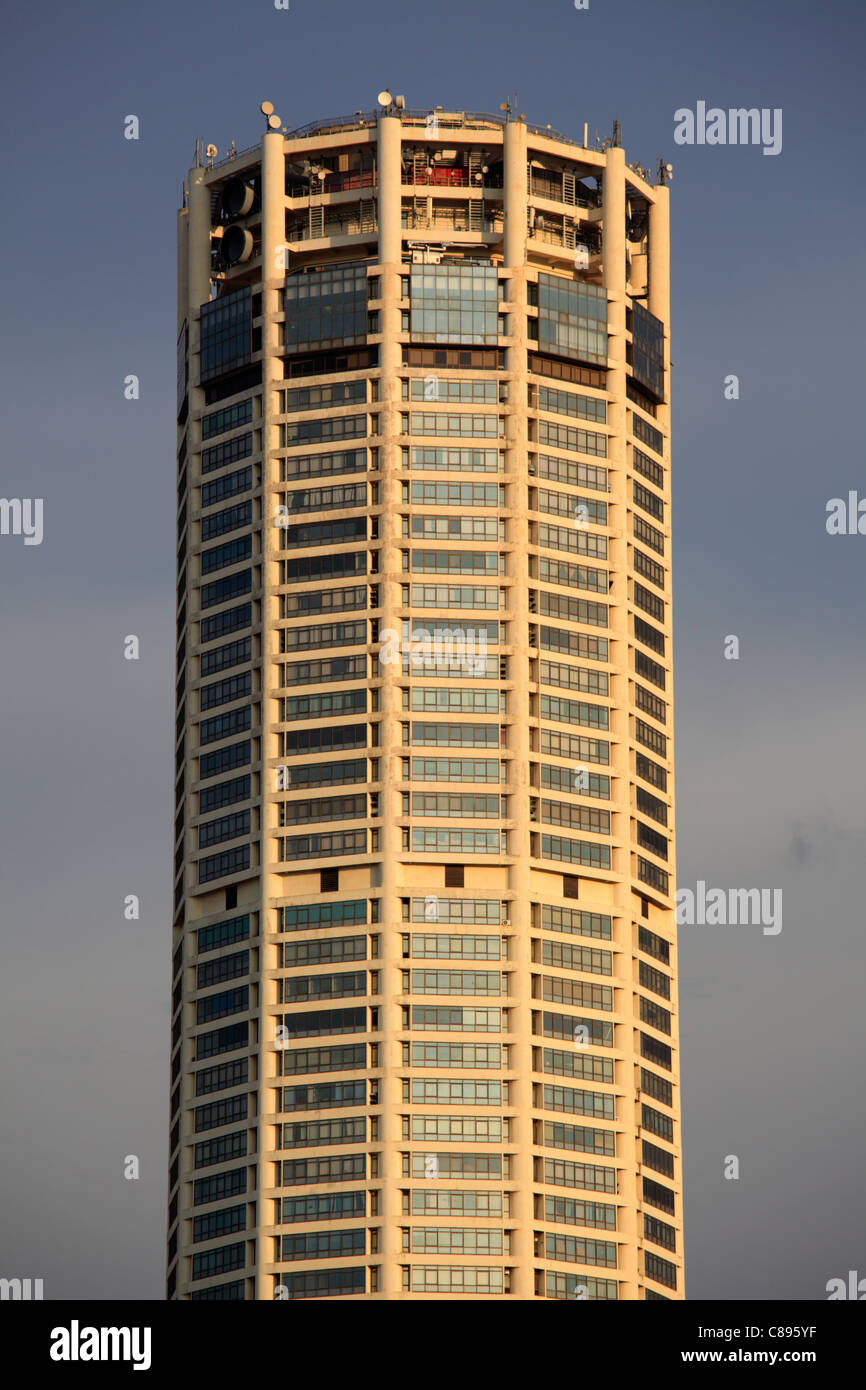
236 245
237 199
384 98
274 122
267 108
211 151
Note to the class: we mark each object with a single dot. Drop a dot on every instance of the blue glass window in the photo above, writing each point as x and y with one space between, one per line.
572 318
326 308
226 334
454 304
648 351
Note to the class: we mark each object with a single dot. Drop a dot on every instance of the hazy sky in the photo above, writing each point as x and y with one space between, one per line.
767 279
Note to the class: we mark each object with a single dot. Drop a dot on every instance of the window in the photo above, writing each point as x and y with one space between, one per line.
653 1014
567 403
317 397
231 451
229 1184
323 914
579 1064
307 1134
228 1146
577 440
577 923
221 1077
326 308
587 996
323 1207
658 1195
223 1112
223 692
454 303
228 554
309 1025
221 1040
231 861
585 958
323 465
648 350
659 1232
574 1102
656 1052
563 1173
458 842
231 417
578 1250
567 471
218 1261
223 933
574 576
570 1285
317 431
656 1086
578 542
324 533
428 1017
226 334
457 1279
328 1283
661 1270
456 982
572 318
230 519
455 460
587 1140
659 1159
229 485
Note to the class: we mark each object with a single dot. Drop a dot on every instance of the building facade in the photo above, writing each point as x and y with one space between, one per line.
424 1029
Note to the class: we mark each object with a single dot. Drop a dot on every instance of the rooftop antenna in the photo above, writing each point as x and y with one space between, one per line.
664 173
616 139
273 120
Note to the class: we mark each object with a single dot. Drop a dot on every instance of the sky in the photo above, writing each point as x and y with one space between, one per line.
767 284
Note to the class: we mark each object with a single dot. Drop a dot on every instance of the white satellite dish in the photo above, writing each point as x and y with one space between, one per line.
211 151
384 98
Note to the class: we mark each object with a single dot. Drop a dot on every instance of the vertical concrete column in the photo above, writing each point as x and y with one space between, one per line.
194 250
182 256
659 273
614 253
390 580
517 439
198 266
659 303
273 273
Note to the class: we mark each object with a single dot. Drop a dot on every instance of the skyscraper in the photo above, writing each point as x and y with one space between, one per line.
424 1028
